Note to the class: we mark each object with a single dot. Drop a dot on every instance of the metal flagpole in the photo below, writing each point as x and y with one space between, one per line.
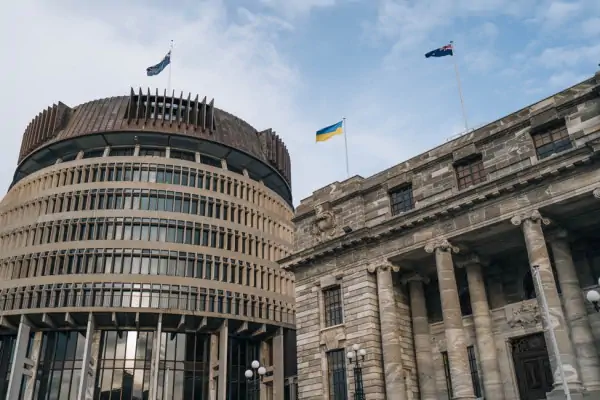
346 145
170 64
538 281
462 102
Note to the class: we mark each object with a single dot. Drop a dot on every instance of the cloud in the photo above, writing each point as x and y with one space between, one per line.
296 8
560 12
569 56
591 26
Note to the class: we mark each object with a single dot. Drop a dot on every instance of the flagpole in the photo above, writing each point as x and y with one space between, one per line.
170 64
346 145
462 101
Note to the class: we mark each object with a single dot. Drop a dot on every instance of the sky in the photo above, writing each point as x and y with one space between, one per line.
299 65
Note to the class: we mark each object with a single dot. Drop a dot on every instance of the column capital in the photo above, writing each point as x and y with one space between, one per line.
383 266
533 215
414 277
470 259
596 193
441 244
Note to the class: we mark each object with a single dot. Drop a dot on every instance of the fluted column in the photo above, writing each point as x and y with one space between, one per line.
482 319
531 224
575 311
462 385
390 333
421 336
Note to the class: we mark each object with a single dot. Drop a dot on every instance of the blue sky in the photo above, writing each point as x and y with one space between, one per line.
299 65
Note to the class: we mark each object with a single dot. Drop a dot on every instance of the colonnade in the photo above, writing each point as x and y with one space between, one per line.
574 338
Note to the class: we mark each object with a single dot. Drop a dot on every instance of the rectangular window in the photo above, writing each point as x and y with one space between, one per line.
551 142
474 371
401 200
337 375
470 172
447 374
333 306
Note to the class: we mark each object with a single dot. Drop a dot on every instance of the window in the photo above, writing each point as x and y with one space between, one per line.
473 368
447 374
474 371
551 142
470 172
402 200
337 375
333 306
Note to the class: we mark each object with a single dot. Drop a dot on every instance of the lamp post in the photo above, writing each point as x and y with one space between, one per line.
594 297
254 377
355 358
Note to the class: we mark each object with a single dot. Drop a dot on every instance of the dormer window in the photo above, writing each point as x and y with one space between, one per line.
470 172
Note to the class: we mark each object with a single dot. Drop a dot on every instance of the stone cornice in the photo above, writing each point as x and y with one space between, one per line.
477 137
457 204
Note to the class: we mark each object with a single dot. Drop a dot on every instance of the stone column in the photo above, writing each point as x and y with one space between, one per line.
155 362
462 385
421 337
531 224
482 320
20 362
576 312
390 333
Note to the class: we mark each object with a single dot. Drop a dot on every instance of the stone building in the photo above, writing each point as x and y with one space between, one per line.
138 255
431 266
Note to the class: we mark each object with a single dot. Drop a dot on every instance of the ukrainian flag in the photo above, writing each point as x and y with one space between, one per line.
330 131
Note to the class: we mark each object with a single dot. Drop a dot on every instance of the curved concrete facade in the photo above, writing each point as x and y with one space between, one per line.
142 263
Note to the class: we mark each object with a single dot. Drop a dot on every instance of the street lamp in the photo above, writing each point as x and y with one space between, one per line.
594 297
254 377
355 358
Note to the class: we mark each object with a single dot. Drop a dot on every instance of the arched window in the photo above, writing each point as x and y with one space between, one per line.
528 287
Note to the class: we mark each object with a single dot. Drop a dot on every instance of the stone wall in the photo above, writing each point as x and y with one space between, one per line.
506 148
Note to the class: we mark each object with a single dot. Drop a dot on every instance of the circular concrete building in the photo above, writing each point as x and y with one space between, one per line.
138 249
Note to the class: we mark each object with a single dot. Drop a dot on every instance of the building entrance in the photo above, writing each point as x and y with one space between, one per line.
532 367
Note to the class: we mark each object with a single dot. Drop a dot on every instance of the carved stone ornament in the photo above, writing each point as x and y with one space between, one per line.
596 193
526 315
442 244
533 216
324 224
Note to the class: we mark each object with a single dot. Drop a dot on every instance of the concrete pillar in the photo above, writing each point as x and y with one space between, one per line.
213 363
390 333
462 385
155 363
89 364
531 224
19 360
278 365
223 350
34 358
576 312
421 337
482 319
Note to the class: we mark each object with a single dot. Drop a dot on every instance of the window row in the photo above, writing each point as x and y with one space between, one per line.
471 171
148 262
150 200
156 173
198 299
146 229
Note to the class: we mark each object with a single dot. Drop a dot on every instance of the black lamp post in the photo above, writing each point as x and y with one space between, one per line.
594 297
355 358
254 377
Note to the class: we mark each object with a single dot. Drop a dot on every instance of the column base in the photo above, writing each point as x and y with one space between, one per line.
464 398
559 394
